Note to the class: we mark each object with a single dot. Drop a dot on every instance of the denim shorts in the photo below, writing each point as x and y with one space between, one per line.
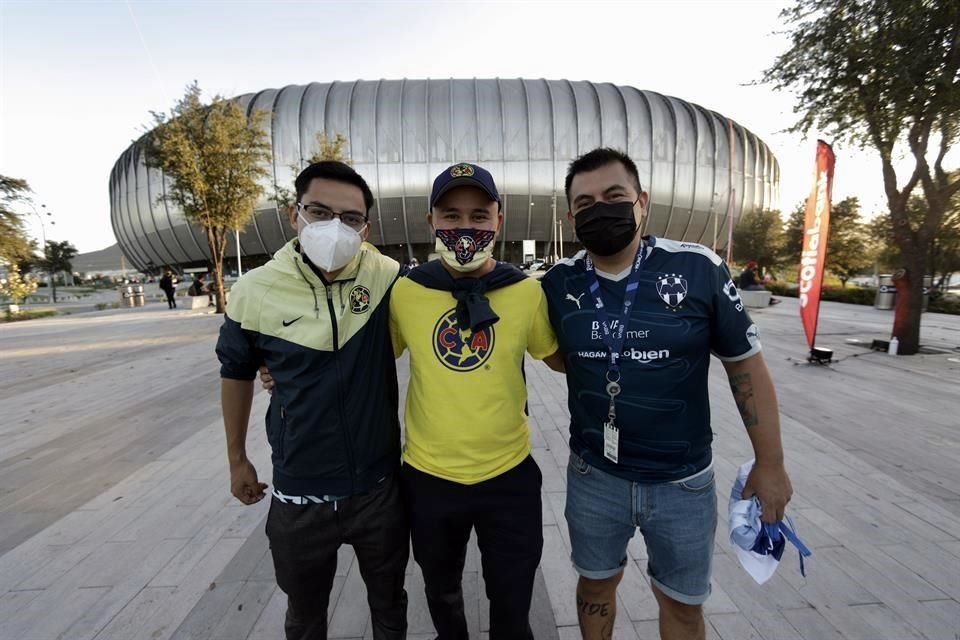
677 520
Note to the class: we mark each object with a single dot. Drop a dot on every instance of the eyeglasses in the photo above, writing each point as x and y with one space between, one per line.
318 213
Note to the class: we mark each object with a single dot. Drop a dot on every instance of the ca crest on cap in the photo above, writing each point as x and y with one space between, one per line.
461 171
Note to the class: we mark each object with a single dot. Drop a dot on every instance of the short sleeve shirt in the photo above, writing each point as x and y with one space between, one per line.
686 308
465 411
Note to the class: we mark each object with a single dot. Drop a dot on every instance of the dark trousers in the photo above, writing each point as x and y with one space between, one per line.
506 513
304 540
171 300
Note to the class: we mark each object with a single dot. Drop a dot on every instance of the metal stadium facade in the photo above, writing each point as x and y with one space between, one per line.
401 133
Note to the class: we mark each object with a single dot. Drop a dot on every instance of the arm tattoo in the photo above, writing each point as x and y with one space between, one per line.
742 388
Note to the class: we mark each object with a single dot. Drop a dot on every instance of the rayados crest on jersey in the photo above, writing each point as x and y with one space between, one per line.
461 349
672 289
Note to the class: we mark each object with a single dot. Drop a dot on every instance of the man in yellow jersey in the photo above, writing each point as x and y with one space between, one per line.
467 321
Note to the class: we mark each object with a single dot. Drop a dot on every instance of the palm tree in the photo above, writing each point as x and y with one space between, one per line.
57 257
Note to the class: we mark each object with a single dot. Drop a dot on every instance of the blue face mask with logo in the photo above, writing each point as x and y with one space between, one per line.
759 545
464 249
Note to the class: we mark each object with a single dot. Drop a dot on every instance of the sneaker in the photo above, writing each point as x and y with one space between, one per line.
774 301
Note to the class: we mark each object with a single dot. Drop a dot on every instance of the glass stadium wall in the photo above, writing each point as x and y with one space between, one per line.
401 133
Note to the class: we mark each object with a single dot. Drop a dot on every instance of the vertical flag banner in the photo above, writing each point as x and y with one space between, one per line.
815 227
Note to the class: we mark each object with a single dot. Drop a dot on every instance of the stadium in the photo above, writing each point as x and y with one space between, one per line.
401 133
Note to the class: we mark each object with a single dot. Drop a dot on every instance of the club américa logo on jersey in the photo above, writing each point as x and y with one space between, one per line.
461 349
359 299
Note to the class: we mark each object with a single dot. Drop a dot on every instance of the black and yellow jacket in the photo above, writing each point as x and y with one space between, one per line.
332 422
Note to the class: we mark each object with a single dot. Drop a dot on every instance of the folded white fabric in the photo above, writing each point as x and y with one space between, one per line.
758 546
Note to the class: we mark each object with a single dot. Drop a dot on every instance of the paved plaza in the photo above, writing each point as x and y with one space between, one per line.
116 520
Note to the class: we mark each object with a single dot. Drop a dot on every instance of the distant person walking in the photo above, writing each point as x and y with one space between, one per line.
168 284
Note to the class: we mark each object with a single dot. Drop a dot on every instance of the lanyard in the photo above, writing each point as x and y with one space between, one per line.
613 339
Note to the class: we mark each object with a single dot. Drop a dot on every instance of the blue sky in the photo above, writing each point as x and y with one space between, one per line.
78 79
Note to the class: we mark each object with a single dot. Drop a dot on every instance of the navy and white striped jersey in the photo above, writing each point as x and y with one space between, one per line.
686 308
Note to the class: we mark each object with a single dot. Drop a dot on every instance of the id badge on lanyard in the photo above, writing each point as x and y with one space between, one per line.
611 435
613 341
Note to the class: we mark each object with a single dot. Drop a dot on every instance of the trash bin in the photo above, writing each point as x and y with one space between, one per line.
126 296
927 288
886 292
131 295
138 298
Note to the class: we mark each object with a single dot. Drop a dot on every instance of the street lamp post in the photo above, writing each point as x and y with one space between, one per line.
556 228
43 231
239 268
43 236
559 238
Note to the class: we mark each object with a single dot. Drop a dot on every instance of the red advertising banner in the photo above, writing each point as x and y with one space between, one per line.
815 227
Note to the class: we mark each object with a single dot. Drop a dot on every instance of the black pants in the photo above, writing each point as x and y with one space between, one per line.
304 540
171 300
507 515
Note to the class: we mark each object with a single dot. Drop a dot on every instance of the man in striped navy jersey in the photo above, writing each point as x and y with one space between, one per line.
637 319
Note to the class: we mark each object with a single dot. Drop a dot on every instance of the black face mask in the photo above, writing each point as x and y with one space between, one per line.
606 228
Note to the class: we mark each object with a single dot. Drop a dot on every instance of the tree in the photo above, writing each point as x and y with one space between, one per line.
848 244
14 243
944 250
28 260
57 256
759 236
16 287
884 74
215 158
793 235
327 149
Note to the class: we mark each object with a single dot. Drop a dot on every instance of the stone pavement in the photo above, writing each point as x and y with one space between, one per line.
116 521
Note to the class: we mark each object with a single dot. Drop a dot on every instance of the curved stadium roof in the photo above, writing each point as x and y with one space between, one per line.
401 133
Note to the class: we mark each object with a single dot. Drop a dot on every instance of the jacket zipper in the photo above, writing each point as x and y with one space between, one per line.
283 431
336 359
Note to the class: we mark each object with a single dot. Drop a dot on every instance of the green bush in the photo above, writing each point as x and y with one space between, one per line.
850 295
862 295
784 289
945 305
28 314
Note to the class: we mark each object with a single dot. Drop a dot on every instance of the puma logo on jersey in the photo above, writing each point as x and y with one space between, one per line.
575 300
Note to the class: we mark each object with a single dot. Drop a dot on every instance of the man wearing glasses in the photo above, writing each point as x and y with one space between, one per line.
317 315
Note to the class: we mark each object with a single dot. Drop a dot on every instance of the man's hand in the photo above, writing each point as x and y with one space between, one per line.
771 485
244 484
266 379
555 362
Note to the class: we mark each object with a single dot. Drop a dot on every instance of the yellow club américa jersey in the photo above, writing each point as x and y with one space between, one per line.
465 418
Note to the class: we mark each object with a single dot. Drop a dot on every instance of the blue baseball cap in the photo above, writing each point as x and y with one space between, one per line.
464 175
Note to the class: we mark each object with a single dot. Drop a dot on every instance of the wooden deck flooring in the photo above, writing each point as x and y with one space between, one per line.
116 521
